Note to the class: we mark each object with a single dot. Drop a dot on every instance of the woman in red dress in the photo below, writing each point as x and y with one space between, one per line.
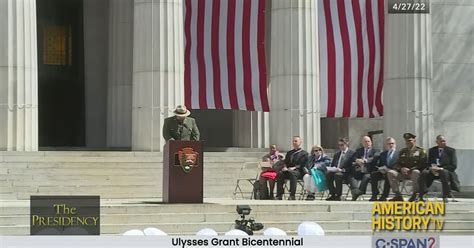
268 174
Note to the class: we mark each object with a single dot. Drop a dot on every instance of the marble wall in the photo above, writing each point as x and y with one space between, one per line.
453 71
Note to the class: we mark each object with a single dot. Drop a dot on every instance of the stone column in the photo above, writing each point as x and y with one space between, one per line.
95 71
120 77
407 77
158 69
294 78
251 129
18 76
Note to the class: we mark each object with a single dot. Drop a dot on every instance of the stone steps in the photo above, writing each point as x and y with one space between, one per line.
463 217
25 230
246 152
110 174
155 206
108 165
332 227
130 186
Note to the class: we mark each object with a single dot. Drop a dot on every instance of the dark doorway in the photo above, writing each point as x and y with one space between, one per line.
60 73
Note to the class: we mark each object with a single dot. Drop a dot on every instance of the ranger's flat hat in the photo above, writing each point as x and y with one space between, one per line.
182 111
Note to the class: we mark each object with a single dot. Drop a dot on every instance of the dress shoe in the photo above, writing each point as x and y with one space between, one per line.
279 197
355 196
382 198
331 198
292 198
397 198
373 198
420 197
337 198
310 197
412 198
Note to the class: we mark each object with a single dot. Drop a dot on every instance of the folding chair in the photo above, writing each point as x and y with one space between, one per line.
346 195
436 194
349 191
405 183
303 192
299 184
323 193
249 172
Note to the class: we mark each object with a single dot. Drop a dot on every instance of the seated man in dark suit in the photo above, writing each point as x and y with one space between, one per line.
386 162
442 162
363 163
340 166
295 161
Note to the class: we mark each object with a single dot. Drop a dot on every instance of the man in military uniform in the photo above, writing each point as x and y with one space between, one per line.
180 126
411 161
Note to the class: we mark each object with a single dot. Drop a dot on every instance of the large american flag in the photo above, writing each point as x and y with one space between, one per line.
351 38
225 55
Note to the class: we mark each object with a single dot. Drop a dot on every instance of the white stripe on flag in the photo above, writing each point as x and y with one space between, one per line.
365 41
323 58
239 81
208 55
193 59
254 55
339 59
223 54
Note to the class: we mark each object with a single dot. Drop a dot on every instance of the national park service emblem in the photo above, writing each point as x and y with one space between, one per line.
188 159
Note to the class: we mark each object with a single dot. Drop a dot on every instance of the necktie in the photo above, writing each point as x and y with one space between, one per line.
389 157
340 159
366 151
440 152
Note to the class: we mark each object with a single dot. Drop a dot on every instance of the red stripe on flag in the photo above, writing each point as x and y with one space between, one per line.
371 39
187 54
246 63
360 56
261 56
215 54
231 55
200 54
346 110
331 62
378 97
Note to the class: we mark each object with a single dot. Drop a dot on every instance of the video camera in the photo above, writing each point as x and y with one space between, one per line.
249 225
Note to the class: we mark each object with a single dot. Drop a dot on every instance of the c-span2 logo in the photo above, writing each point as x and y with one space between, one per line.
405 241
64 215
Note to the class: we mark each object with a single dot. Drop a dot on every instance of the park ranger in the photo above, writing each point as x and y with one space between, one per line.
180 126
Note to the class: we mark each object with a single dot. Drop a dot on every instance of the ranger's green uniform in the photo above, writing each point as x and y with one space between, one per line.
186 130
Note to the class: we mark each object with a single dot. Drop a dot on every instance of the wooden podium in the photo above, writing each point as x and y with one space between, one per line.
183 172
